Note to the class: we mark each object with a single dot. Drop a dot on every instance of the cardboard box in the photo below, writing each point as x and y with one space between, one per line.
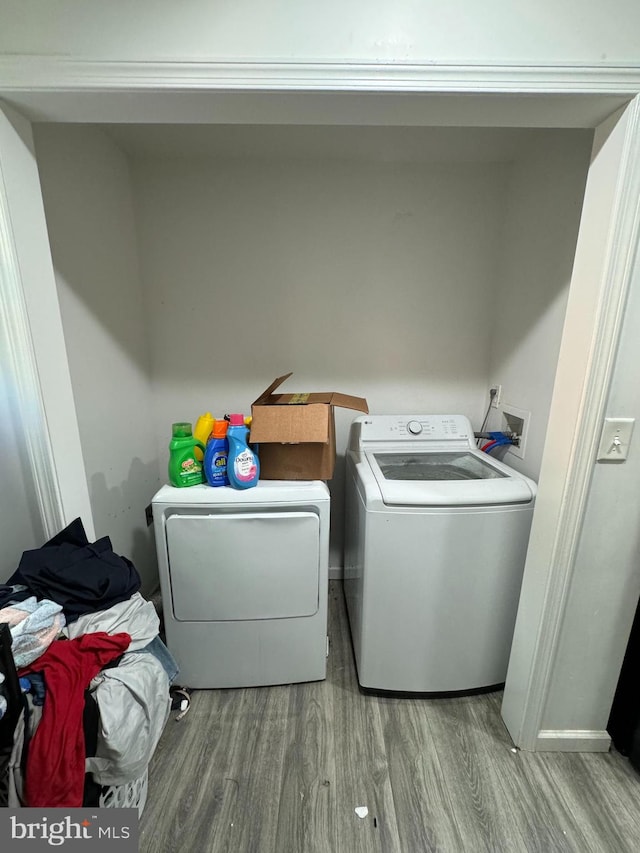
296 432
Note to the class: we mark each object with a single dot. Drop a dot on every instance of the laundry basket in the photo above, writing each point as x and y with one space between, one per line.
133 795
129 796
4 789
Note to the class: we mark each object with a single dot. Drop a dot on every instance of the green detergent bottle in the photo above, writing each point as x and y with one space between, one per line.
184 468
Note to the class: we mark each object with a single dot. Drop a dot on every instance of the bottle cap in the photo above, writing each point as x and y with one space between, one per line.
219 429
236 420
181 430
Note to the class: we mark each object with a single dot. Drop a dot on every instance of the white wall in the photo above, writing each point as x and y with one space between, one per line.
87 195
541 228
412 282
410 267
497 31
368 278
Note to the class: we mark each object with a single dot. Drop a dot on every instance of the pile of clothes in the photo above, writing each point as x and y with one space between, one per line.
95 676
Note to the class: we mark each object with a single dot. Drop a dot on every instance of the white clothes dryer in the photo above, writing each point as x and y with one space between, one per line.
244 575
436 536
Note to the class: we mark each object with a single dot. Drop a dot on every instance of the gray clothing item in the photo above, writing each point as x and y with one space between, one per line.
136 616
134 704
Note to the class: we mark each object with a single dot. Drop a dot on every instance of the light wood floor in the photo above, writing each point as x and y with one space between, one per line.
282 769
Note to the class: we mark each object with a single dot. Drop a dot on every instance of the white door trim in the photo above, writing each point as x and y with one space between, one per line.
577 410
23 372
83 90
59 74
38 359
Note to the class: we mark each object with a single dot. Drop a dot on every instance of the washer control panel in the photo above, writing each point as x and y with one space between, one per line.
374 428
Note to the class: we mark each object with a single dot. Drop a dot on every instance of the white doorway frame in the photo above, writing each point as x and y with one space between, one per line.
606 99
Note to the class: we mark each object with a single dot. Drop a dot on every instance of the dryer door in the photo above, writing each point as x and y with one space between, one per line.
232 567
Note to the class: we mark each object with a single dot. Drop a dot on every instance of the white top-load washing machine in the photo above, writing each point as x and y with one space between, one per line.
436 535
244 576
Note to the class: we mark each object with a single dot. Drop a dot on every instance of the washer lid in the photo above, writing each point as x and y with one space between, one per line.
446 478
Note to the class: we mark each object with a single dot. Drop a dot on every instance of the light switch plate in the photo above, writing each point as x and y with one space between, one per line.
615 439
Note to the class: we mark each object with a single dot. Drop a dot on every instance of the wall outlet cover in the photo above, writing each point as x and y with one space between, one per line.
615 439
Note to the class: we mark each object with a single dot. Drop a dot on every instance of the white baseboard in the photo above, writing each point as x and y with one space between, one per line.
569 740
335 573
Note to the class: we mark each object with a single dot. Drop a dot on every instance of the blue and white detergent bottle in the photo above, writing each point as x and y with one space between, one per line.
243 466
216 454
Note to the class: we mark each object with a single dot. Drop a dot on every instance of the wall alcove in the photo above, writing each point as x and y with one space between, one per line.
409 247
